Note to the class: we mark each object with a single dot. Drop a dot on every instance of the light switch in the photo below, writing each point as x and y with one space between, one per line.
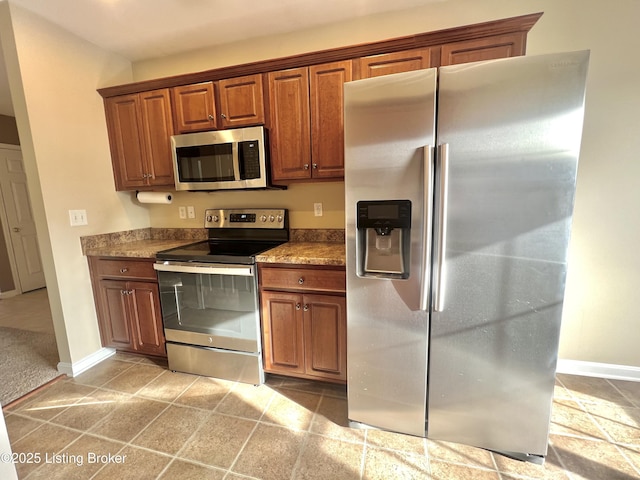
317 209
77 217
191 212
182 212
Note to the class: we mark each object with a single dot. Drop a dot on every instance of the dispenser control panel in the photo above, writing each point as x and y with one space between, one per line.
384 214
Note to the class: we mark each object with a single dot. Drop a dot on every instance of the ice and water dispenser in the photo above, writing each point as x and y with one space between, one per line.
383 238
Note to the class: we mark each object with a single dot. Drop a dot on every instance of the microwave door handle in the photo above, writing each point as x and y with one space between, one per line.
236 160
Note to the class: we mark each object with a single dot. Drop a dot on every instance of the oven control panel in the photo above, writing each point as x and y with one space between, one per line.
246 218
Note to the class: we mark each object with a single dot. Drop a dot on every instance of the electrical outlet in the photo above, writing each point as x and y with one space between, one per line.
78 217
317 209
182 212
191 212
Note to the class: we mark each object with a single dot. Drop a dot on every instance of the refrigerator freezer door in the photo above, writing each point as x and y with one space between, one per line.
514 129
388 122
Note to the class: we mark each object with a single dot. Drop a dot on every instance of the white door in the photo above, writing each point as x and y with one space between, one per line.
22 240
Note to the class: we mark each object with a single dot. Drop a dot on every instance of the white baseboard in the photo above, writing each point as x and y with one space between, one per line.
9 293
603 370
75 369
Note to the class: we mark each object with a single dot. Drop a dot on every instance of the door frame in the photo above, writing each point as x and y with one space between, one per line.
17 290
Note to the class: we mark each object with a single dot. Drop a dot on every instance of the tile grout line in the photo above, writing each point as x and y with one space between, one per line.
607 440
255 427
617 446
305 440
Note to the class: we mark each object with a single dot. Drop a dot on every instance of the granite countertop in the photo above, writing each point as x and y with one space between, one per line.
305 253
307 247
135 249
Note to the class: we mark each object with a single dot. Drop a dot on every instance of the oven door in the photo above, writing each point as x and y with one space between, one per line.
210 305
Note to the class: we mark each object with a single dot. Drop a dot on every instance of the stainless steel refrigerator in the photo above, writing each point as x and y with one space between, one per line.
459 197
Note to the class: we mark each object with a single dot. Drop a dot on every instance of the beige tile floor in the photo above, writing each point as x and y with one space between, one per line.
130 417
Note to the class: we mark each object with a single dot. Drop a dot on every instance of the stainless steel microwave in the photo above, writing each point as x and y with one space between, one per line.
221 160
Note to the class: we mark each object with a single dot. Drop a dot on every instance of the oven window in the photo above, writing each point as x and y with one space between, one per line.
205 163
217 305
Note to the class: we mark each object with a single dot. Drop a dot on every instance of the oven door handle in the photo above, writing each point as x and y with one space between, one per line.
205 268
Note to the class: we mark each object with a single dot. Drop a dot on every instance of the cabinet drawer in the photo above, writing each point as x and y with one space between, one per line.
125 268
303 279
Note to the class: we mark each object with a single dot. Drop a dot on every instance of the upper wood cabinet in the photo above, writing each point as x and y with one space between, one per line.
488 48
140 127
290 128
327 118
241 101
303 111
194 107
398 62
306 121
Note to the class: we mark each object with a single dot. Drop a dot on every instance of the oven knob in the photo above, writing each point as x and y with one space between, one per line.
209 218
263 218
271 218
279 218
216 218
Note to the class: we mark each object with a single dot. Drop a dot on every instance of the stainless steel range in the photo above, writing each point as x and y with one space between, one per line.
209 294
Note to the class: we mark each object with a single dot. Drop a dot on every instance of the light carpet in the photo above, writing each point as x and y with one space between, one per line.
27 361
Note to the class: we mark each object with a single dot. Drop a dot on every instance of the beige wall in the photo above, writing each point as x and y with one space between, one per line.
8 130
53 78
600 315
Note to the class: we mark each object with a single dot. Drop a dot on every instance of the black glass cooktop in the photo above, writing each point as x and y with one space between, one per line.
241 252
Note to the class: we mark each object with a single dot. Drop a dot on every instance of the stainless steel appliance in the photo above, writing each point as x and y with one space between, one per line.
459 197
209 294
221 159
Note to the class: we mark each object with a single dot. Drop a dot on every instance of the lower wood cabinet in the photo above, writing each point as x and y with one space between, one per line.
304 332
128 305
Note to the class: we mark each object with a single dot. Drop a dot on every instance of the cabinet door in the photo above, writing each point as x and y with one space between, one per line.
157 128
489 48
146 318
194 107
241 101
289 133
282 330
327 119
398 62
114 319
127 149
325 336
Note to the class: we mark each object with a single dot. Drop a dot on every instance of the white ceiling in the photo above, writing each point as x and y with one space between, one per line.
145 29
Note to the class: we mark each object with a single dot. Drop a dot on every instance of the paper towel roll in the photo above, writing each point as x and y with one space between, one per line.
154 197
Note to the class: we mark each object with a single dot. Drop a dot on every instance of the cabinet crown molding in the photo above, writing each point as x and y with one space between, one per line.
522 24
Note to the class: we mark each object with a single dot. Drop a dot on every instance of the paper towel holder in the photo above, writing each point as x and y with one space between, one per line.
163 197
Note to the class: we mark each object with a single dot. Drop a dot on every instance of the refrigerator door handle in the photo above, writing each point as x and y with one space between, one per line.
443 183
427 187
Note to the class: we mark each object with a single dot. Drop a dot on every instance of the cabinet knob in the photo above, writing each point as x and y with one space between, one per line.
223 115
306 308
210 117
306 166
315 166
300 281
297 306
124 270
